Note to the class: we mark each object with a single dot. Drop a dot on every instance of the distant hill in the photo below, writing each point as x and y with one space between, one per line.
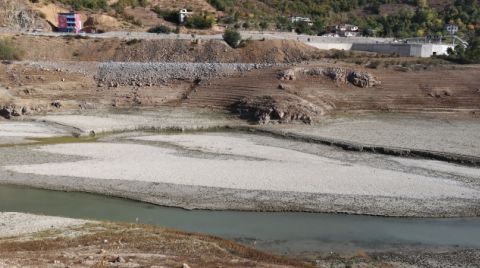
393 18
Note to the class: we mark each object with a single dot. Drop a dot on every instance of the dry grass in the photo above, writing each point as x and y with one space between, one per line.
138 240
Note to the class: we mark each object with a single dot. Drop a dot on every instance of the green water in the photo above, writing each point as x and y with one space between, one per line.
278 232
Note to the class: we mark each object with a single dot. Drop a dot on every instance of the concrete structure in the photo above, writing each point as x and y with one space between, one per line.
404 49
379 45
69 22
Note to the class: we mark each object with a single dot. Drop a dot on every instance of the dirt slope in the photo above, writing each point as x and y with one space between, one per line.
437 90
80 49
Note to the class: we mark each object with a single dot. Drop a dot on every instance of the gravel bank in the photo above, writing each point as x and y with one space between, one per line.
257 168
16 224
158 120
450 135
233 171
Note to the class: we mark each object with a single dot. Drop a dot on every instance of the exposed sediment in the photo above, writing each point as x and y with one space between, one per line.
223 186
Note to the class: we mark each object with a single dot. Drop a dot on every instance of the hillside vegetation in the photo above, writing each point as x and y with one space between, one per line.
392 18
397 18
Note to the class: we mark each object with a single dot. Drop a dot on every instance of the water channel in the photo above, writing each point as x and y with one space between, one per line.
276 232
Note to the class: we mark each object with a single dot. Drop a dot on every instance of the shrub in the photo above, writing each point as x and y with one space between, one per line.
160 29
200 22
133 42
218 4
232 37
373 64
8 51
468 55
168 15
263 25
339 54
91 4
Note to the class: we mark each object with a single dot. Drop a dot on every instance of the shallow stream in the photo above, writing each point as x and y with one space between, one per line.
276 232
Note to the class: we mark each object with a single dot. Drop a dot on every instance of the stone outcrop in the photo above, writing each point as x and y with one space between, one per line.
288 74
17 15
9 111
339 75
277 109
362 79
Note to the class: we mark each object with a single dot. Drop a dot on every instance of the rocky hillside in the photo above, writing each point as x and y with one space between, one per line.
18 15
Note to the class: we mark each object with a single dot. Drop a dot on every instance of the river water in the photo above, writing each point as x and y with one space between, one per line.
276 232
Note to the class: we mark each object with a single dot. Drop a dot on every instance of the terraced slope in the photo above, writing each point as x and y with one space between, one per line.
222 93
422 91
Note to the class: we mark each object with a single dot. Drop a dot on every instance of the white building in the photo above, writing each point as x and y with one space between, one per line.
183 13
301 19
347 30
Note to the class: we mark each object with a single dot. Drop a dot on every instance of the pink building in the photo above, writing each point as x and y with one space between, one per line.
69 22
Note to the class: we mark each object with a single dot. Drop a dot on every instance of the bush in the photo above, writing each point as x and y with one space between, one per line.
91 4
133 42
8 51
200 22
168 15
232 37
160 29
218 4
462 55
373 64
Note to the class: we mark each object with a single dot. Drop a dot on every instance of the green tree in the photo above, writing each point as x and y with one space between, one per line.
232 37
263 25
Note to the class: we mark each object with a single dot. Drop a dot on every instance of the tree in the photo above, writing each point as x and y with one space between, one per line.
263 25
472 53
232 37
468 55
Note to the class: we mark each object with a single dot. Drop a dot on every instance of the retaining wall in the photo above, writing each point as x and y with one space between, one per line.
404 50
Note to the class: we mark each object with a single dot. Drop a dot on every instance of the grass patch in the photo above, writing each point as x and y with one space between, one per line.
8 50
148 239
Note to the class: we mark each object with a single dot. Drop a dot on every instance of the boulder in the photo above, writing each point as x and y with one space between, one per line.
56 104
362 79
288 74
9 111
277 109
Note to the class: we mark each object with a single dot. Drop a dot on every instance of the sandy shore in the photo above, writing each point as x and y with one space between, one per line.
16 224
